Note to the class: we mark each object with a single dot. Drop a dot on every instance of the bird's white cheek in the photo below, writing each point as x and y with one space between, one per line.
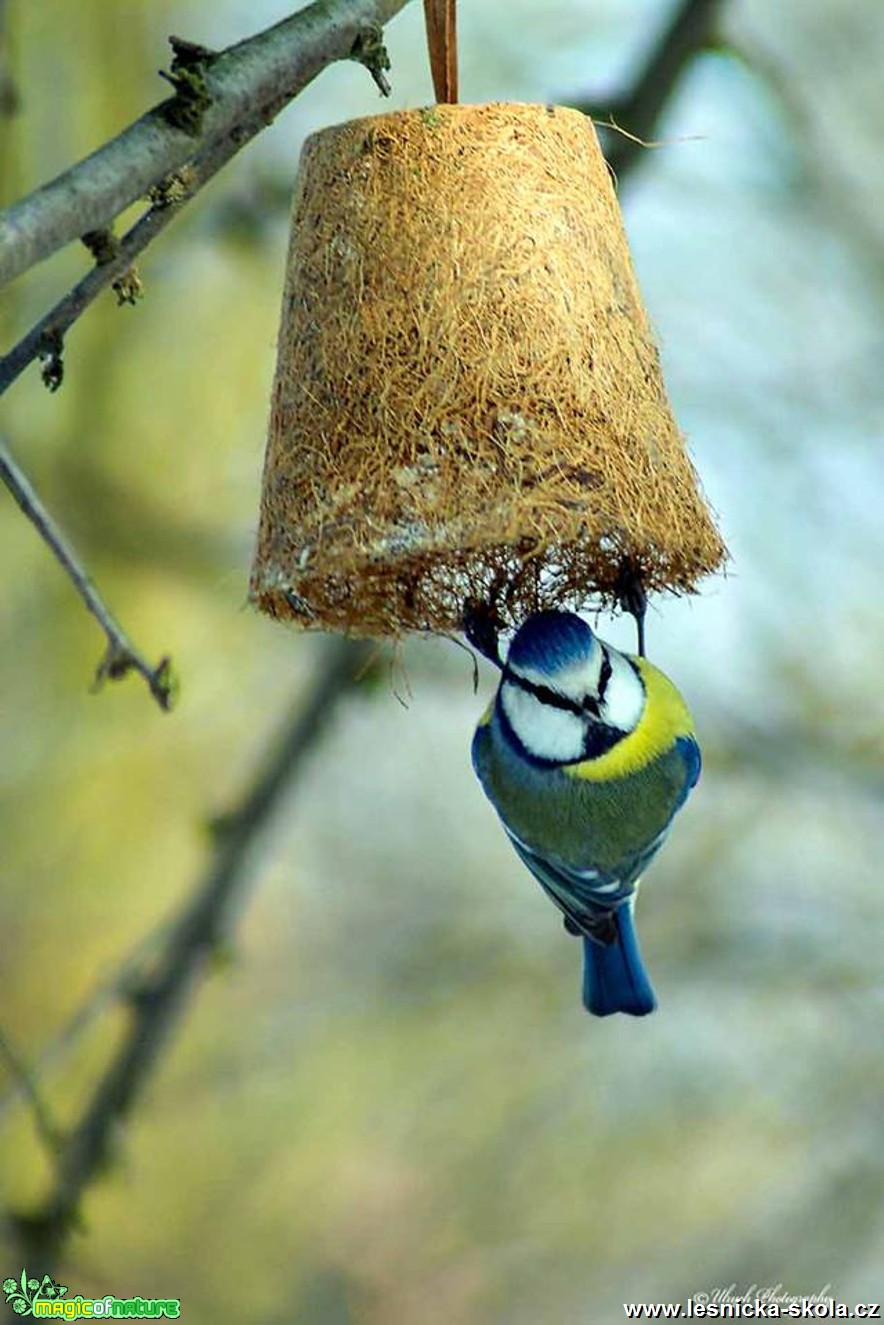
546 732
624 700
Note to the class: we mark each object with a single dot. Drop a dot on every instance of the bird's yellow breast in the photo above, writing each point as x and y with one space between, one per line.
664 718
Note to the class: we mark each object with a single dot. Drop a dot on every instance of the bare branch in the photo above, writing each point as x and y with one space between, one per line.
690 31
105 994
159 1002
24 1079
121 656
217 95
46 339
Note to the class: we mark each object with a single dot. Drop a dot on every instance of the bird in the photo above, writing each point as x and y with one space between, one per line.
587 754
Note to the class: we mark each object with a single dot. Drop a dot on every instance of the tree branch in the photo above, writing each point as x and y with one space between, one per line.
46 339
170 194
26 1084
121 656
690 31
217 95
105 994
158 1003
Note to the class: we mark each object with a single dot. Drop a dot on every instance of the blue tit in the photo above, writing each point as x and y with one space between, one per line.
586 754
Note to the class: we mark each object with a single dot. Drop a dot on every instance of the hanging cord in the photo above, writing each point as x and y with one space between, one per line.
441 23
632 598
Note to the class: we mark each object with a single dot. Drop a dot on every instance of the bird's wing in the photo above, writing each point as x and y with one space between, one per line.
587 897
689 750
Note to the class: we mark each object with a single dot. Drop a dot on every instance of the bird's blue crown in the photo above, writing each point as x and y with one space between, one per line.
549 641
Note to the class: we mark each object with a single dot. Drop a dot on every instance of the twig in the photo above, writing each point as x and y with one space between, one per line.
117 985
254 78
369 50
160 1001
121 656
691 30
27 1086
45 340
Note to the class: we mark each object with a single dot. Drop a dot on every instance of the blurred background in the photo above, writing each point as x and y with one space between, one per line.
385 1104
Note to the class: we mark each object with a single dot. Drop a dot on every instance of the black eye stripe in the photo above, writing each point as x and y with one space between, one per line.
589 705
599 735
543 693
605 673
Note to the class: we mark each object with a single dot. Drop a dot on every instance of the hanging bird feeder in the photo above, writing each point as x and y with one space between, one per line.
468 402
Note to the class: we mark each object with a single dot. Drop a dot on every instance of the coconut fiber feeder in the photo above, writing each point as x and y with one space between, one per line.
468 402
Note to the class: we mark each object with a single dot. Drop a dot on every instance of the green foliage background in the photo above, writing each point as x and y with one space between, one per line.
387 1105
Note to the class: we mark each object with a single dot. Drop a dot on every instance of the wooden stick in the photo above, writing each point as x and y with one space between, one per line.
441 20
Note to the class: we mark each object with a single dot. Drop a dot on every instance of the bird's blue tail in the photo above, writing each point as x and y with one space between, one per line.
614 977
